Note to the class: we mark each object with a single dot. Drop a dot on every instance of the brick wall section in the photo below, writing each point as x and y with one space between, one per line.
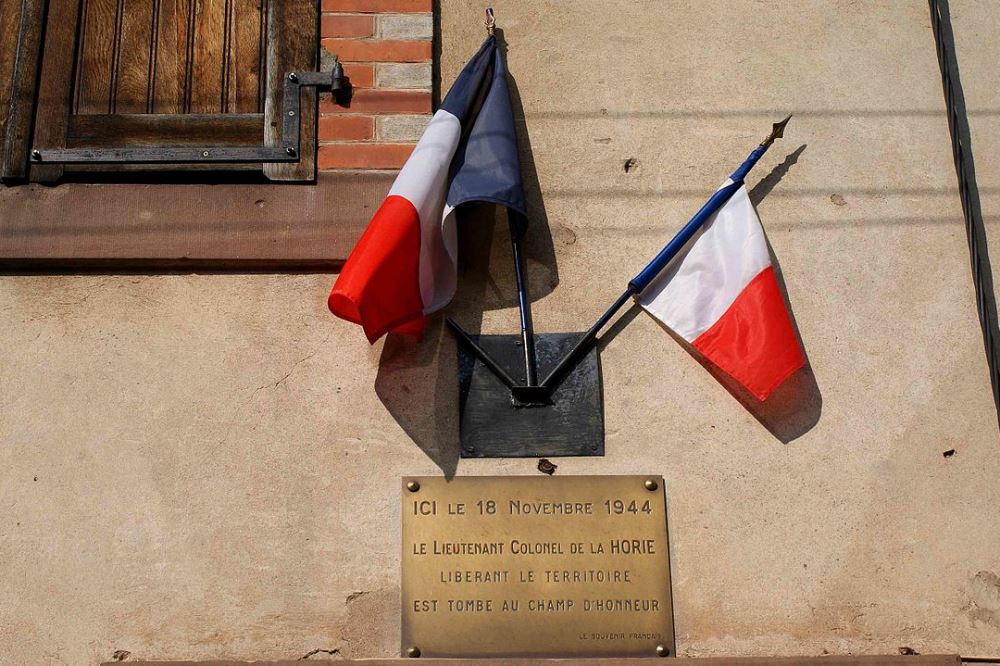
386 49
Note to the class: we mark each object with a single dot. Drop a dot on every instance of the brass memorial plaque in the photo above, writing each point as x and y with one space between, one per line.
535 566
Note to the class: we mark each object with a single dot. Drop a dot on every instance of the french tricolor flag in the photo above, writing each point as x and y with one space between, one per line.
721 296
404 267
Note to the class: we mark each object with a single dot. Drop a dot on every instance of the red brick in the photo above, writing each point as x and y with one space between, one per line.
361 76
346 25
363 155
346 128
381 101
377 6
378 50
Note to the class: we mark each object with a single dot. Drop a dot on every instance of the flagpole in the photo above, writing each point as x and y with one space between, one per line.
523 303
642 280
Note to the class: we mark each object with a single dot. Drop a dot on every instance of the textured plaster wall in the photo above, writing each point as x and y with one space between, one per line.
207 466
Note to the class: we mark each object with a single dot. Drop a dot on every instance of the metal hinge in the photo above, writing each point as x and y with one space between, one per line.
288 151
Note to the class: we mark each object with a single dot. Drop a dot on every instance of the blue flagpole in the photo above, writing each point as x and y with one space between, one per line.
642 280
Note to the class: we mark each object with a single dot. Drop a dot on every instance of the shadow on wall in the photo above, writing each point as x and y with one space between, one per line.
417 381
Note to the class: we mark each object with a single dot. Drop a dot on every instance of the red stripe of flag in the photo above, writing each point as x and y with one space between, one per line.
754 341
379 286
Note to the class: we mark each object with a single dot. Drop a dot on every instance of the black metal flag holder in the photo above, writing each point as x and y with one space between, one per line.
562 415
504 416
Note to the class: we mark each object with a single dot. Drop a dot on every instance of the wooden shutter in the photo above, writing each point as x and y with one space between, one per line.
122 74
21 25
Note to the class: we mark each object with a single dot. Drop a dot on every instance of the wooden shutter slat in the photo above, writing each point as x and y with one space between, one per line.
245 80
103 131
170 70
20 55
135 46
206 92
55 83
95 62
10 20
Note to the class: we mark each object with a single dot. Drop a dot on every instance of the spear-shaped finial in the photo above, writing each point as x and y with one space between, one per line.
777 131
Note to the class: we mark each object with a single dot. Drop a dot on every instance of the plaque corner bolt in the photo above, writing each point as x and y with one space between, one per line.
413 652
413 486
662 651
652 485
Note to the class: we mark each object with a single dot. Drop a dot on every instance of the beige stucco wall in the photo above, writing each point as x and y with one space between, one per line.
198 466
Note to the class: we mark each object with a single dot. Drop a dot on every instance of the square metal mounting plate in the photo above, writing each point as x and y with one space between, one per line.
492 426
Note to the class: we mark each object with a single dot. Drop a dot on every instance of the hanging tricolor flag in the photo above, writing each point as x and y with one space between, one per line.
404 266
720 295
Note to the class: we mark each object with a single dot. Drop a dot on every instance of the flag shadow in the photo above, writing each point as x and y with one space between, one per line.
768 182
417 382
